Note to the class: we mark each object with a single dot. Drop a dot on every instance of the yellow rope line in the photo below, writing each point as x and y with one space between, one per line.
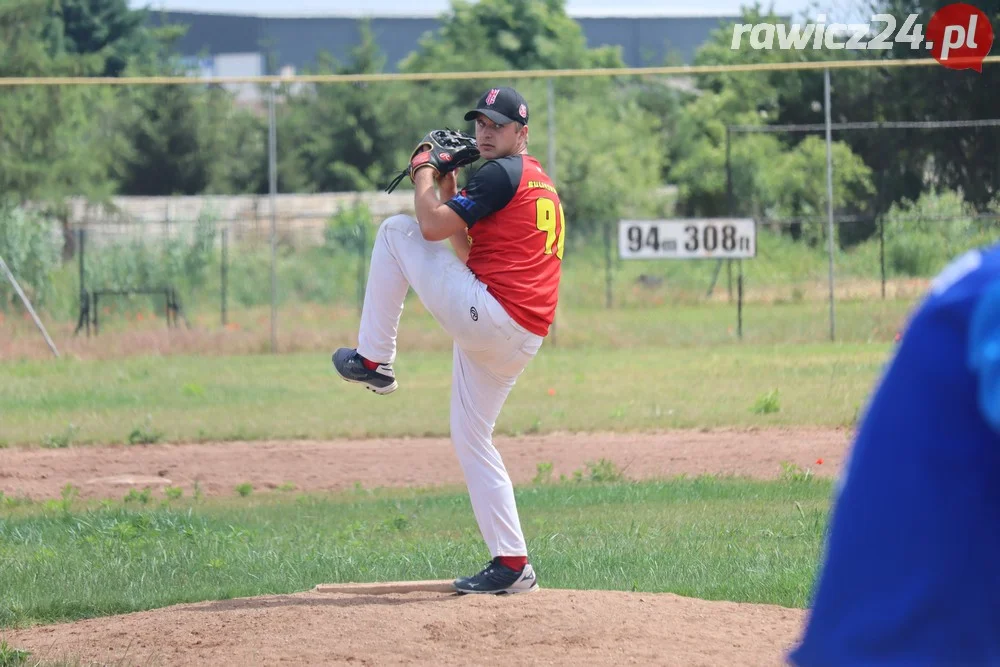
444 76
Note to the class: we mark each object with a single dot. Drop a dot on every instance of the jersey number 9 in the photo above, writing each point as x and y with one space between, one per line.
552 224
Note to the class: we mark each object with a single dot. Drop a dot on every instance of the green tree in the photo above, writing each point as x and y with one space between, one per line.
58 142
336 137
183 140
236 138
796 184
774 175
508 34
55 141
913 161
606 163
107 28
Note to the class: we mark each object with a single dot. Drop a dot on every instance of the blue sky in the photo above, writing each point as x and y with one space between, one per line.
434 7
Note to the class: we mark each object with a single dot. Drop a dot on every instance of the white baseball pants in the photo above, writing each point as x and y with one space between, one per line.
490 352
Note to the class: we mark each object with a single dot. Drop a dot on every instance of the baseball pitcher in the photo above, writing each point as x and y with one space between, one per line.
496 296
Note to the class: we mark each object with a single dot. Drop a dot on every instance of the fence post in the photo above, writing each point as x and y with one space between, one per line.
551 167
552 130
362 263
881 250
607 265
739 302
224 269
80 240
829 194
730 208
729 278
84 319
731 211
272 150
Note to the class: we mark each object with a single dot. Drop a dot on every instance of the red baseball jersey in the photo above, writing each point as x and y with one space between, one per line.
517 232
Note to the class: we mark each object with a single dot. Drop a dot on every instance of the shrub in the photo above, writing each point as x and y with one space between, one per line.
922 236
350 229
178 260
30 247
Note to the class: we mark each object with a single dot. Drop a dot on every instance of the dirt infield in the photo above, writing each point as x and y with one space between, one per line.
109 472
550 627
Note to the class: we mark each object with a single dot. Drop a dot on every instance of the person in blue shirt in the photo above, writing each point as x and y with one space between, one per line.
910 573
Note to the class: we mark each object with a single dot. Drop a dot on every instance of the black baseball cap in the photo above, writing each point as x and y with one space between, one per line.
502 106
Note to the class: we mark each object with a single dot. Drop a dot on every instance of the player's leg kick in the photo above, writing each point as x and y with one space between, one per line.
490 352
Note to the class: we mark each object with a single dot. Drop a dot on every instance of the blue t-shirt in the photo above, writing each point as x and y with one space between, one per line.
911 572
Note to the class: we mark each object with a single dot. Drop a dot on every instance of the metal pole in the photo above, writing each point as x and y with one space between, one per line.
552 130
607 264
84 302
730 208
739 302
38 322
729 278
729 173
224 269
362 264
552 160
80 250
272 152
729 212
881 251
829 195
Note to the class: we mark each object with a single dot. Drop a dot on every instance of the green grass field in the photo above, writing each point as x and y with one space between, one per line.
187 398
635 368
709 537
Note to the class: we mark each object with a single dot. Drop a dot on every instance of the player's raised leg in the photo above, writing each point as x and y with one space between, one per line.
401 258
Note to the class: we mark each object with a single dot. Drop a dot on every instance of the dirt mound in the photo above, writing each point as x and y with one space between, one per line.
550 627
108 472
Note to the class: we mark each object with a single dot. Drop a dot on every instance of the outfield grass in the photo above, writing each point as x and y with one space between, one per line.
709 537
186 398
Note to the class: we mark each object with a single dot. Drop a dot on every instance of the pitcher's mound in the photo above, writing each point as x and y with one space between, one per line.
390 587
550 627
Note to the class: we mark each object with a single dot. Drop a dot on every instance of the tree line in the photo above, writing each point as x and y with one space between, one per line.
619 139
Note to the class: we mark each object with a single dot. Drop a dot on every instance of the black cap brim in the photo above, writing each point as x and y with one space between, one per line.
495 116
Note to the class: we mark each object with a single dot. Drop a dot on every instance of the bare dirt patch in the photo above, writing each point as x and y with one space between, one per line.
109 472
551 627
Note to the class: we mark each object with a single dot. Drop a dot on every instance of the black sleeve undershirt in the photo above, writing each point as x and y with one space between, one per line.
489 190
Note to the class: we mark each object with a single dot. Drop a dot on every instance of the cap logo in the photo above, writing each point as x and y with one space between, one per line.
491 96
522 111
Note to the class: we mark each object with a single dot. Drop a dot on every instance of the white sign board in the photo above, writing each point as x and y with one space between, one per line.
687 238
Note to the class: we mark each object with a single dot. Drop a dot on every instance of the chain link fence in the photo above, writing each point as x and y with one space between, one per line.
211 273
283 243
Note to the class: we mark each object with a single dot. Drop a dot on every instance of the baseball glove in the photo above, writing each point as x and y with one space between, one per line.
443 150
